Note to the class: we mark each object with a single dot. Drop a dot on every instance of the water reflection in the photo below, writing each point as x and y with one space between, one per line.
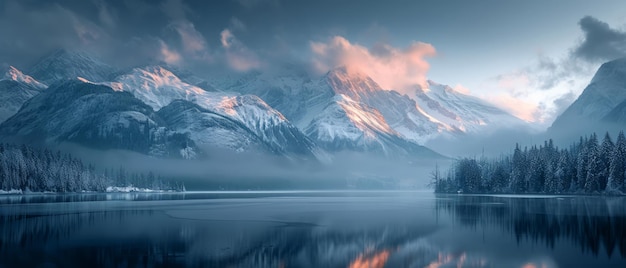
307 230
89 197
595 224
376 260
237 231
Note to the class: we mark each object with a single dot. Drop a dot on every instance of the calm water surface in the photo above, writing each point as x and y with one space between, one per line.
311 229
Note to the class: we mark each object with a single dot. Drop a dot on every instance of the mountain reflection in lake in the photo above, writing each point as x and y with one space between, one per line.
311 229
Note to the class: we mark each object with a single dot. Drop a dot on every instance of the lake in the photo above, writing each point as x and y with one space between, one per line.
311 229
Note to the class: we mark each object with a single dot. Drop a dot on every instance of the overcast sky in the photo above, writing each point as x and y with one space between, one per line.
530 57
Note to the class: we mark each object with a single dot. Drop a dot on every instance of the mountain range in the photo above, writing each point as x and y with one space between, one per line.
162 110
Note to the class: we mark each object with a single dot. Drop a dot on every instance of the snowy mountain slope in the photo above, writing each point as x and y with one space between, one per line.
94 116
158 87
617 115
604 93
461 111
324 111
209 129
13 74
432 112
155 86
267 123
349 125
15 89
401 112
65 64
289 90
189 77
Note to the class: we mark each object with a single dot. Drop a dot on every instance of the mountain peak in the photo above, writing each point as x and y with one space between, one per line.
157 70
345 71
155 85
12 73
71 55
608 70
603 94
62 64
351 82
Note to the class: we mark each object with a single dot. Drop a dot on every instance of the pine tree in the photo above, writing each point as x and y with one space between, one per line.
606 151
582 163
518 171
617 166
561 174
25 168
594 171
500 179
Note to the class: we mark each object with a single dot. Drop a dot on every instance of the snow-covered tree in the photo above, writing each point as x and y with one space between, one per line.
27 168
617 165
585 167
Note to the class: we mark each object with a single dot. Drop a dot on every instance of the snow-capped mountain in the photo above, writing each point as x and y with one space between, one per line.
158 87
15 89
367 118
348 125
400 111
333 109
223 120
289 90
13 74
66 64
95 116
459 111
431 112
189 77
604 93
209 129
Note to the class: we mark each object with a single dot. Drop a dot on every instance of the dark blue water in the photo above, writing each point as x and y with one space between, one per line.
311 229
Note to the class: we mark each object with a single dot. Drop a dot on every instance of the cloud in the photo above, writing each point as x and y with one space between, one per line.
552 84
193 42
27 31
105 14
523 109
237 55
539 92
152 31
600 43
167 55
392 68
227 38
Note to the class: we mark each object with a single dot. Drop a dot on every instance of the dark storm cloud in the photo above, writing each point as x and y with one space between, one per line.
601 43
124 33
28 30
200 35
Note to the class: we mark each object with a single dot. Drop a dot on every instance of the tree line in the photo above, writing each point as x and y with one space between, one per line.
586 167
27 168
